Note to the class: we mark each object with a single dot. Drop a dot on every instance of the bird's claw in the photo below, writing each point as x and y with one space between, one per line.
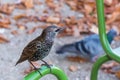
49 66
37 69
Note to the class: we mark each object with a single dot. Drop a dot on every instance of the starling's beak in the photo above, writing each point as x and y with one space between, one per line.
60 29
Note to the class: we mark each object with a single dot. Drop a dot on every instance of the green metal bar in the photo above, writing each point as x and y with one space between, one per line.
45 70
97 65
102 31
103 38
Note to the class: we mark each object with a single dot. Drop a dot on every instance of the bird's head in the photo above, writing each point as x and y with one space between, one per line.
51 31
112 34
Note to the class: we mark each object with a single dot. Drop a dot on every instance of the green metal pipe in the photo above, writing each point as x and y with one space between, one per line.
102 31
44 71
97 65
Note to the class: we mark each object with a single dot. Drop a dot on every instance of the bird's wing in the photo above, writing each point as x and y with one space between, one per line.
94 47
31 48
89 46
28 51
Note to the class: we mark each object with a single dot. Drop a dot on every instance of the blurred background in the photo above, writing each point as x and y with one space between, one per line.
23 20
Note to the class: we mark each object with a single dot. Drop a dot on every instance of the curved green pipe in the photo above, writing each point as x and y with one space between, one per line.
103 38
97 65
102 31
44 71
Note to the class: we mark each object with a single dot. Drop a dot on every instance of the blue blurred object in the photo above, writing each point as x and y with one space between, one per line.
89 48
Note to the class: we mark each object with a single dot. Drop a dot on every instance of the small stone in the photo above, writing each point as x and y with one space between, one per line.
73 68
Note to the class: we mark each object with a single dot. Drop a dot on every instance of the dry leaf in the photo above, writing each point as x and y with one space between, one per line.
6 8
71 20
108 2
14 32
113 17
109 68
31 31
52 19
17 17
109 10
72 4
28 3
52 5
21 26
3 39
5 22
88 8
73 68
76 59
117 74
110 65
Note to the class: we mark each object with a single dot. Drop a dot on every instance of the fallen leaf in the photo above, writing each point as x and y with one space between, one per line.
19 4
6 8
52 5
112 17
37 2
108 2
52 19
43 18
71 20
88 8
117 74
72 4
110 68
76 59
110 65
73 68
17 17
21 26
3 39
5 22
31 31
28 3
115 15
14 32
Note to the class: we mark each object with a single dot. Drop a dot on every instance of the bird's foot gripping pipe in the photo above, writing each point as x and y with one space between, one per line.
44 70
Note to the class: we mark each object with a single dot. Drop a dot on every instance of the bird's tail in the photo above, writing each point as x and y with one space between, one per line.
23 58
66 48
17 63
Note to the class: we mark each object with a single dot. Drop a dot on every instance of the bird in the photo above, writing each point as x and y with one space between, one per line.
89 48
40 47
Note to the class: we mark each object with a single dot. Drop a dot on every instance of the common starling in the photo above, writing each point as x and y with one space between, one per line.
89 48
40 47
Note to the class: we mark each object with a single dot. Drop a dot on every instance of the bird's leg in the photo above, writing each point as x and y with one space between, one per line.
35 68
45 63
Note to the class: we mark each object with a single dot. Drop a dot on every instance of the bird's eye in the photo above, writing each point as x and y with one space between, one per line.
57 30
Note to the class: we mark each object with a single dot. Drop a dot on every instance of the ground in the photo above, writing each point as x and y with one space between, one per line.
10 53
